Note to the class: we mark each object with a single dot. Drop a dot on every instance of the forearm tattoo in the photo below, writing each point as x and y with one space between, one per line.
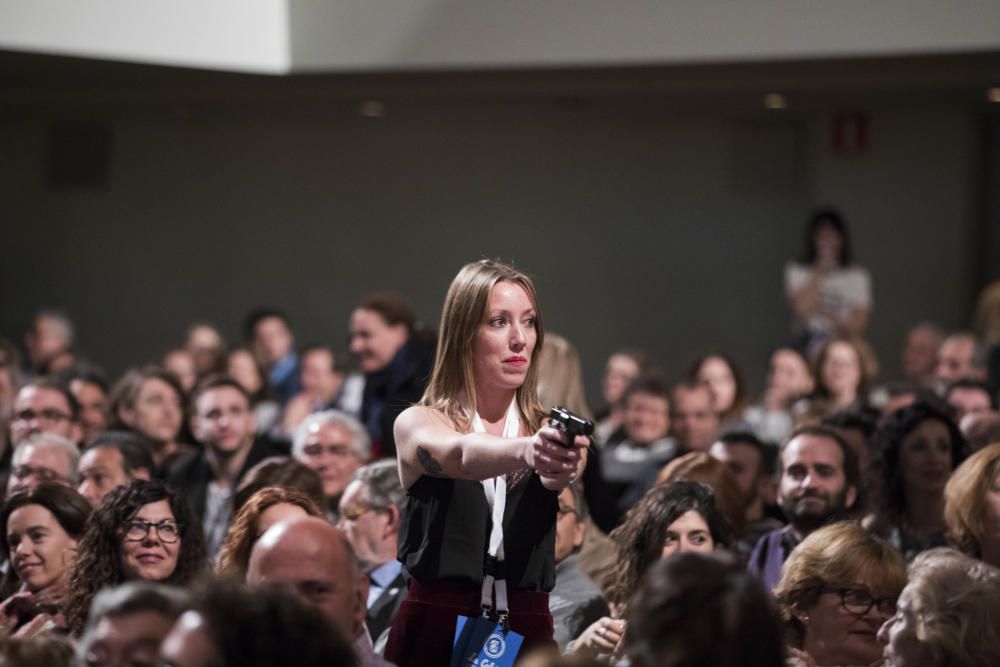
430 465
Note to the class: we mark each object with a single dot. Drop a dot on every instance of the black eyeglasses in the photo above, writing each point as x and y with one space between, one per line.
136 530
859 601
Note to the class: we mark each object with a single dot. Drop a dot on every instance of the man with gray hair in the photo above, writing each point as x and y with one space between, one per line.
128 623
370 509
46 457
334 445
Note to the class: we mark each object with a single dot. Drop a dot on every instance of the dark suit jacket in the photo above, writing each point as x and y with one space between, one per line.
192 474
383 610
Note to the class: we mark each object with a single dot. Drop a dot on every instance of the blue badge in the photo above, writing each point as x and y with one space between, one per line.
482 643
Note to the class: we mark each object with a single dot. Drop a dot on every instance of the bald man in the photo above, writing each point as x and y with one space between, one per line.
313 558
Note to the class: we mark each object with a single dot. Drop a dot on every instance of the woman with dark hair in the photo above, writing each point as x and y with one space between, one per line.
141 531
230 626
395 353
263 509
828 294
693 609
671 518
39 531
725 381
150 402
481 473
919 447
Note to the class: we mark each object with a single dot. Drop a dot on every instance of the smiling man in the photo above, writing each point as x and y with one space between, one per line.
819 484
629 465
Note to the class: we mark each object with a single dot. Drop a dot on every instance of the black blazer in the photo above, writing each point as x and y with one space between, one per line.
191 475
383 610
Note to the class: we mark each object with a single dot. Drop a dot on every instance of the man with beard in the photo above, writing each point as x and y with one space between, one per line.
820 483
223 421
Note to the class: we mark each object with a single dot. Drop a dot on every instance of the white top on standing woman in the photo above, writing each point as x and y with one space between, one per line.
829 296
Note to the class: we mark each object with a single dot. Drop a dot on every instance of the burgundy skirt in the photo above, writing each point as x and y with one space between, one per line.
424 628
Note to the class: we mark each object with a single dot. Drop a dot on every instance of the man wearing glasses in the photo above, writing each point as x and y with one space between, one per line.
369 516
43 406
575 602
334 445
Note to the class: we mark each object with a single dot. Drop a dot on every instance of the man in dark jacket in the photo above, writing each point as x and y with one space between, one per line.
223 421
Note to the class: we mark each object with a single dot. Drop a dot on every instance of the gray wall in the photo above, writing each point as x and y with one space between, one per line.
643 225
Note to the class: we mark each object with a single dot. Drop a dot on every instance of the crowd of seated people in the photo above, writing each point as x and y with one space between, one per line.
240 502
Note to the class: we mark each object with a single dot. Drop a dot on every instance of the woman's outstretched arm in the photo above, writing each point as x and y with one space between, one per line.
427 444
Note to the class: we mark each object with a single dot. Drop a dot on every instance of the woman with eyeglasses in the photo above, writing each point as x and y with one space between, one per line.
837 588
141 531
39 531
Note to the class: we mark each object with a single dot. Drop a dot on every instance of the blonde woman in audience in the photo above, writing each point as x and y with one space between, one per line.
560 376
972 506
948 614
837 588
560 382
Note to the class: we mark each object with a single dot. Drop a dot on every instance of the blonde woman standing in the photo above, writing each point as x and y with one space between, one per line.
481 473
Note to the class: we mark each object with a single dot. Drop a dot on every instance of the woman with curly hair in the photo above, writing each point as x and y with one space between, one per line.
141 531
264 508
671 518
919 446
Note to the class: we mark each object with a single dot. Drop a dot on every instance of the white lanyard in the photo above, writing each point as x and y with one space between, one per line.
496 497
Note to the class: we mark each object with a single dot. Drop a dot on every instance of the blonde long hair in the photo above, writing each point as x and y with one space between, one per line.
452 387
